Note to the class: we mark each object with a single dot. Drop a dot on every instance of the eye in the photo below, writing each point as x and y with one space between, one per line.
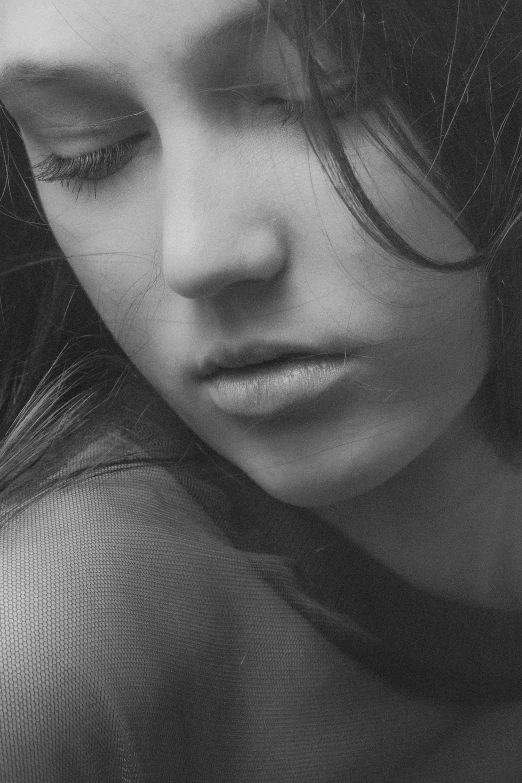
337 94
91 167
289 110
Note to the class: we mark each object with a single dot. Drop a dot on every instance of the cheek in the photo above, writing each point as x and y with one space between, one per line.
120 215
112 246
126 295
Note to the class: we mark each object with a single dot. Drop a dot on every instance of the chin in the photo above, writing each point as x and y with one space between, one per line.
335 474
315 488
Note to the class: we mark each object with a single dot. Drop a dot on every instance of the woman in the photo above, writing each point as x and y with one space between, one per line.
289 548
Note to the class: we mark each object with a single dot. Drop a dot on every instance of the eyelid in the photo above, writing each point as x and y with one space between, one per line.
93 166
75 136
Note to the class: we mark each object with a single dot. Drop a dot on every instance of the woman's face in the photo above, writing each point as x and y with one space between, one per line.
209 238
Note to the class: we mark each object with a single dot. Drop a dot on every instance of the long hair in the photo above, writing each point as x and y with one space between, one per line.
58 363
443 80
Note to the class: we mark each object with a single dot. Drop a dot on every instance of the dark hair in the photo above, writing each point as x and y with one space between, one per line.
443 78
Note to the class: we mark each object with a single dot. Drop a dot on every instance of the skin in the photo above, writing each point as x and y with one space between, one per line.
222 228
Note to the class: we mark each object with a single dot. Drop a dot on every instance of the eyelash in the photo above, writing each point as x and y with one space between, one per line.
92 167
290 111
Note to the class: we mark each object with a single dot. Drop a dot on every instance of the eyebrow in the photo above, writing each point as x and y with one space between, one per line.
228 38
29 73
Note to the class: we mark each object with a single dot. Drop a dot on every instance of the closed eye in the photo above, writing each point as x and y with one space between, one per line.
92 166
290 110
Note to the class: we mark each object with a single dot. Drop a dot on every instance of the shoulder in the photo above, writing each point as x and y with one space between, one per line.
113 601
122 557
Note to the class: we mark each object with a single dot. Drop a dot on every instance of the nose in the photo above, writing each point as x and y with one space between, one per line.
220 226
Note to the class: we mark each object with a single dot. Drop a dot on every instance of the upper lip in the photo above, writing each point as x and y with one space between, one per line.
228 358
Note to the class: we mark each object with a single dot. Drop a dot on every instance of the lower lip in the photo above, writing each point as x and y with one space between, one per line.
266 390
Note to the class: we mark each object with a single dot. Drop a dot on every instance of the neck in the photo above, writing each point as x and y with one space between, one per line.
449 522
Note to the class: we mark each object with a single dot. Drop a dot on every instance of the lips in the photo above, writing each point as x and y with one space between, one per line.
253 355
265 380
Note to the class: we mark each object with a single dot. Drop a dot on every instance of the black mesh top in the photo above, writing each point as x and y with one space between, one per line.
163 619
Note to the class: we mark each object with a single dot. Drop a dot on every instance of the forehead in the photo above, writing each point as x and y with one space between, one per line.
124 35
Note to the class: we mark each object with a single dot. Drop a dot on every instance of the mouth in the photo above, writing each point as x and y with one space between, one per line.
265 381
254 356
